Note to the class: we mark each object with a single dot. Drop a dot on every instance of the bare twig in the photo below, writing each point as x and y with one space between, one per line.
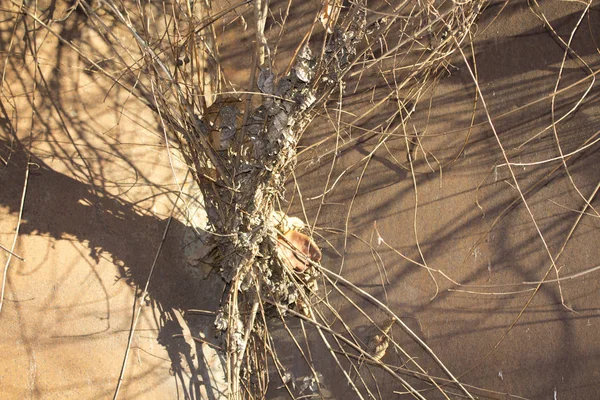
142 300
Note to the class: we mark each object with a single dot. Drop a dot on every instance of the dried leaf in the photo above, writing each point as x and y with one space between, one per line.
266 81
330 13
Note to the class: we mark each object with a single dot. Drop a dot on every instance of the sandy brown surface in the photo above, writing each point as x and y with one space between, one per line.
100 190
550 352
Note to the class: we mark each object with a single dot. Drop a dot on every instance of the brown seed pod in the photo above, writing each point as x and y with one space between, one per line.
379 342
296 249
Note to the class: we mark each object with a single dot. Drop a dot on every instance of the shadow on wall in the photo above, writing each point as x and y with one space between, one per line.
63 208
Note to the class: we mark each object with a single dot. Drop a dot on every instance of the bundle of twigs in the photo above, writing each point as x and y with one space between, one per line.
241 148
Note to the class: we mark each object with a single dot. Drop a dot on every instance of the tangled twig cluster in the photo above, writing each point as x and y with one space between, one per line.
241 148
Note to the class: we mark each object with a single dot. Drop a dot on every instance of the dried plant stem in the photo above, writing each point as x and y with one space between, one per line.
33 50
142 299
405 327
15 255
525 203
16 235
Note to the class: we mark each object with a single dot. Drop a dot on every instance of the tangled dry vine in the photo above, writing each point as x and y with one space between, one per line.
241 145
